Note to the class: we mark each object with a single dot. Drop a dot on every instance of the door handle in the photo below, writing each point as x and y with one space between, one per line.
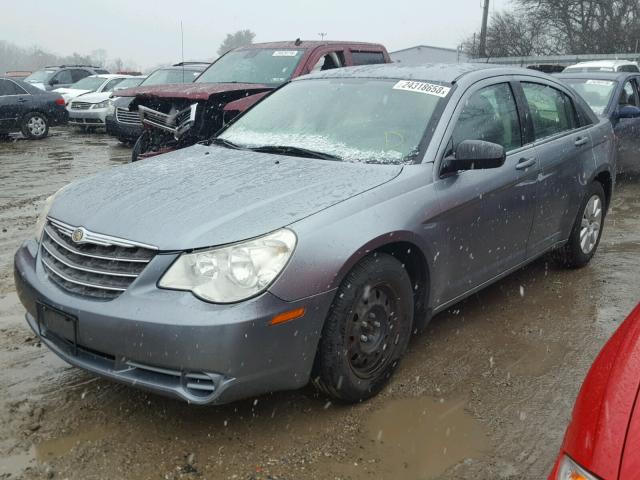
580 141
22 100
525 163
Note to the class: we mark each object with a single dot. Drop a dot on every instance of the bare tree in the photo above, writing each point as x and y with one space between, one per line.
512 34
237 39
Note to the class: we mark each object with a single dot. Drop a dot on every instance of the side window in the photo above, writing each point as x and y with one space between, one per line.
629 95
7 87
63 77
552 111
490 114
367 58
77 74
329 61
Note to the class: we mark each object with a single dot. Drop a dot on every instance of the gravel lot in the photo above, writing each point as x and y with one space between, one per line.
485 392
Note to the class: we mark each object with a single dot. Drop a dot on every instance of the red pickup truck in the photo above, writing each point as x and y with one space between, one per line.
179 115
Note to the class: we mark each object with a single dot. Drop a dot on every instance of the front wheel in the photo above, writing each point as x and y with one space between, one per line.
587 230
367 330
35 126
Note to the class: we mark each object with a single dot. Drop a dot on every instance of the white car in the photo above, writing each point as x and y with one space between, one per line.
603 66
90 109
92 83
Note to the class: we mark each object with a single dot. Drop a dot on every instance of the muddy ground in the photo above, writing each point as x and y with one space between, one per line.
484 393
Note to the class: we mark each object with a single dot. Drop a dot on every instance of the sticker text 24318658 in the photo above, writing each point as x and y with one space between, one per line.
422 87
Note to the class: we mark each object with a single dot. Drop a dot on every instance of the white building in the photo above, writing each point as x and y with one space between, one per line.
427 54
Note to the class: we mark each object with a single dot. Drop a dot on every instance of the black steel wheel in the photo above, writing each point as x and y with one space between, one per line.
367 330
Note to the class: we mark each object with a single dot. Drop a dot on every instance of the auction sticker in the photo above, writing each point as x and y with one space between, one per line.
422 87
285 53
604 83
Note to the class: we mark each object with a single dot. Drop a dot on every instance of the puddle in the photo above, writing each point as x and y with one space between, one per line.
417 439
58 447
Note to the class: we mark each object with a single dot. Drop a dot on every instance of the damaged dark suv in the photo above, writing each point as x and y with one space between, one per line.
176 116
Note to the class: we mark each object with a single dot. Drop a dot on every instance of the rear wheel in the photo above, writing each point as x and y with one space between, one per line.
35 125
367 330
587 230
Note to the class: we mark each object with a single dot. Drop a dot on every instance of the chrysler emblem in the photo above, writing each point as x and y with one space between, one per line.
78 235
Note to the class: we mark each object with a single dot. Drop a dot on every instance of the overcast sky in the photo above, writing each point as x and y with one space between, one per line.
148 31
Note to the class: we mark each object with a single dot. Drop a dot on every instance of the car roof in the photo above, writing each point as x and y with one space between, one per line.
306 44
613 76
196 66
111 75
434 72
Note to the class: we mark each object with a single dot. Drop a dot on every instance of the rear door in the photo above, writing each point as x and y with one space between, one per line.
13 101
564 148
487 213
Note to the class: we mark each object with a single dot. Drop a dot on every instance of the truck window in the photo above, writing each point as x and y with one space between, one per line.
329 61
367 58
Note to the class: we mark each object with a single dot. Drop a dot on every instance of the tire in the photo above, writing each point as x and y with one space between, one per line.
35 126
587 230
138 148
363 339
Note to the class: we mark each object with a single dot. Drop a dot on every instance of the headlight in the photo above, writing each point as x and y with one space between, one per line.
570 470
110 107
42 218
103 104
232 273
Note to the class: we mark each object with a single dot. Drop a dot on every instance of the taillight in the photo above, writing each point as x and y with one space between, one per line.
60 101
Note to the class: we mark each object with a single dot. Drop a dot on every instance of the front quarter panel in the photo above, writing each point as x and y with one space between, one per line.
331 242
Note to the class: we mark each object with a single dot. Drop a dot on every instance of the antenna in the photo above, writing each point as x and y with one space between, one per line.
182 42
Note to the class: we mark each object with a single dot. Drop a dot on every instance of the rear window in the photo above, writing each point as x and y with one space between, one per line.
170 75
367 58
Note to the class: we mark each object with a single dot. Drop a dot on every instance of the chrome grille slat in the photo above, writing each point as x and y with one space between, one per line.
93 265
84 284
85 269
52 235
123 115
80 105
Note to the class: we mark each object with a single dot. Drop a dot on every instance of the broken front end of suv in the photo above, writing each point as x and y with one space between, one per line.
175 122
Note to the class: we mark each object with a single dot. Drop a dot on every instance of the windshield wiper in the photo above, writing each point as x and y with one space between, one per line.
223 142
295 151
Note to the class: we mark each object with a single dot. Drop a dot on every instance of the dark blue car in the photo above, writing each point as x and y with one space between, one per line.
29 109
615 96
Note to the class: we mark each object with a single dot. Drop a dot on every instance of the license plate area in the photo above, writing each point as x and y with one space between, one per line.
59 327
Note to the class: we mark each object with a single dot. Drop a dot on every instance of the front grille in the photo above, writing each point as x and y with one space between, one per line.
196 383
80 106
98 266
176 122
123 115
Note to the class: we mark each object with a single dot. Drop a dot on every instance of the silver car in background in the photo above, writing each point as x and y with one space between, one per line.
310 238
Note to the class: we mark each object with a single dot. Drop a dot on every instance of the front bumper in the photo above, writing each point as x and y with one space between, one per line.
172 343
122 131
88 118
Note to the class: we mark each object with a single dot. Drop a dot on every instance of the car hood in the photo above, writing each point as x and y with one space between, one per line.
71 91
596 436
93 97
191 91
204 196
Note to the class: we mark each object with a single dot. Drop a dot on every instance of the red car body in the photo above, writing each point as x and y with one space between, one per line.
604 434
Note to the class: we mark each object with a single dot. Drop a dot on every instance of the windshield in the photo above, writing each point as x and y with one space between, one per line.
259 65
384 124
128 83
88 83
170 75
597 93
40 76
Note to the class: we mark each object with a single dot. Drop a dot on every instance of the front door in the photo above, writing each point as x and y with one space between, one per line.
627 130
487 214
12 105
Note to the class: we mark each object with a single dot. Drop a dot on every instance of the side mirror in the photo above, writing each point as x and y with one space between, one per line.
54 81
628 111
475 155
